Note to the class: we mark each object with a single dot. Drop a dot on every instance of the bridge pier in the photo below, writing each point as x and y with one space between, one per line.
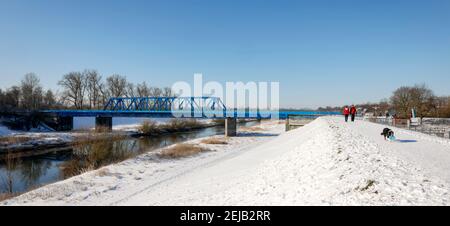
103 124
64 123
230 127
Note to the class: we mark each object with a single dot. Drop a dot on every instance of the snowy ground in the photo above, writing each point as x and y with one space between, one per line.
327 162
4 131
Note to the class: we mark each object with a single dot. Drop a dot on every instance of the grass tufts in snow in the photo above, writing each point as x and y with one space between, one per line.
182 150
368 185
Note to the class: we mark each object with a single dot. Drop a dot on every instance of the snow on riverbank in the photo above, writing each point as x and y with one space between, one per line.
327 162
4 131
42 137
127 124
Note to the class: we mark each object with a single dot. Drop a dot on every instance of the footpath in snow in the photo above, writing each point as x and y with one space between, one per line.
327 162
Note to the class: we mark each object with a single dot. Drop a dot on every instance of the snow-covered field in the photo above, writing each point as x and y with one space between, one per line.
327 162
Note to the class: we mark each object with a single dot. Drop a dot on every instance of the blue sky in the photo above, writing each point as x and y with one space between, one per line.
321 52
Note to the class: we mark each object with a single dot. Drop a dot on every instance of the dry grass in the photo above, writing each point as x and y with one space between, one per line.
369 184
174 125
5 141
102 129
214 141
149 127
5 196
182 124
182 150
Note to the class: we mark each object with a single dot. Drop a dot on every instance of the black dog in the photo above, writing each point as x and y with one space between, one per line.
387 133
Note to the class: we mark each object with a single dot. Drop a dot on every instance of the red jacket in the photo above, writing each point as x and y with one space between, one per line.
353 111
346 111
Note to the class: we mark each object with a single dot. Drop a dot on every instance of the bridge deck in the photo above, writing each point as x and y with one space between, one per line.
184 114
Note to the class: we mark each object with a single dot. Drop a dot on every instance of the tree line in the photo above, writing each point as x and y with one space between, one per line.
418 97
89 90
422 100
79 90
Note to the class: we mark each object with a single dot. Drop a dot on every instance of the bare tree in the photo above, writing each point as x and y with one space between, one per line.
116 85
130 90
423 100
2 98
155 91
444 107
418 97
143 90
38 94
74 85
167 92
31 92
12 97
401 100
49 99
94 88
104 95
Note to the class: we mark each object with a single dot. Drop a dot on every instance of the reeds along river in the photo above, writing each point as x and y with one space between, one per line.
20 175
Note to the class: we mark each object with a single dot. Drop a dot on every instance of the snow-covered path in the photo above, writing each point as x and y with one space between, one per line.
327 162
430 153
324 163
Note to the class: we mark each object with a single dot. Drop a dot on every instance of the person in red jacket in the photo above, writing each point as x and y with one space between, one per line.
353 112
346 113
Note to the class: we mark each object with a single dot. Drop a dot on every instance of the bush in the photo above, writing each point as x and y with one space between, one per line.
174 125
149 127
183 124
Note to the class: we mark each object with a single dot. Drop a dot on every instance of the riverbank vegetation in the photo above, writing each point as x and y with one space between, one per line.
418 97
182 150
95 155
150 127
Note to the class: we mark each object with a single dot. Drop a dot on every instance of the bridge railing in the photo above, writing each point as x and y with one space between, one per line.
164 103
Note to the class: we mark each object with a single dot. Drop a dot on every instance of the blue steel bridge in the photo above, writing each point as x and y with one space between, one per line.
170 107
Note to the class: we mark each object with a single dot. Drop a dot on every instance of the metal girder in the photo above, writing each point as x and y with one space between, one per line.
193 104
176 107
